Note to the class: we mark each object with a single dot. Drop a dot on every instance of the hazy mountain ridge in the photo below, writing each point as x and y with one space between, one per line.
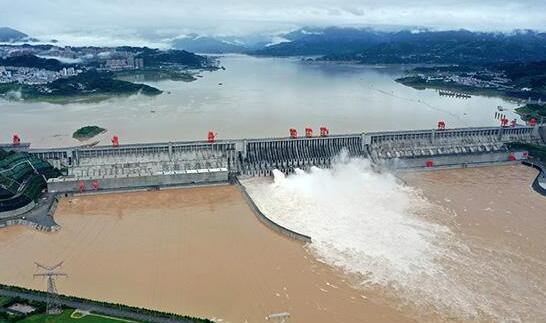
221 44
410 46
371 46
11 35
204 44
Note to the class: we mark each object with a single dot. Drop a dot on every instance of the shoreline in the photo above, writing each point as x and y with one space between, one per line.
463 89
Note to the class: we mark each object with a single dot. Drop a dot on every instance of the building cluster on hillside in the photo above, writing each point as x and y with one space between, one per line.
106 58
129 62
32 76
481 79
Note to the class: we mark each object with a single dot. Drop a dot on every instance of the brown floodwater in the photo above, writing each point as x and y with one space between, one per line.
194 251
202 252
499 222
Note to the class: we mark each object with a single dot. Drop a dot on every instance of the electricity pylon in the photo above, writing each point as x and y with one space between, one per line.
52 304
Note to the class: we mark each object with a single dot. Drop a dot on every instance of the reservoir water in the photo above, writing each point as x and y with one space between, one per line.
254 97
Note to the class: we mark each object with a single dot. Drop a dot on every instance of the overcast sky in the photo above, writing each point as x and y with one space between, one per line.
92 21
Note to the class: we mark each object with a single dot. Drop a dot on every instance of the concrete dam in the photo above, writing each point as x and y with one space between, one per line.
152 165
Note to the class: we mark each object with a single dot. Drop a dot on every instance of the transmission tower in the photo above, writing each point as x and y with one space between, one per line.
49 272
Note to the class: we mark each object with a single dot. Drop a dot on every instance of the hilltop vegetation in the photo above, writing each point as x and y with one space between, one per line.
87 132
83 85
370 46
531 75
530 111
156 58
29 60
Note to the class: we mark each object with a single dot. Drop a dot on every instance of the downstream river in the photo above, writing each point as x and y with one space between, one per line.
254 97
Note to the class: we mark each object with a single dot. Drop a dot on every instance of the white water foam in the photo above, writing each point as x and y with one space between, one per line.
371 225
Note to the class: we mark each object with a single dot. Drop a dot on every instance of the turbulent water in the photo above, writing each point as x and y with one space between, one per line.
384 234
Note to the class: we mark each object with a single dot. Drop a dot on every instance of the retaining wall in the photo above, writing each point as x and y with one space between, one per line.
461 160
17 212
267 221
116 183
541 175
33 225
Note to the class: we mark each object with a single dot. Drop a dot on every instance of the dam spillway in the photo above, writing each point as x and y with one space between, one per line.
193 162
261 156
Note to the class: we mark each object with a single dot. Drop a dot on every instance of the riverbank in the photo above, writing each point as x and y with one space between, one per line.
421 84
516 81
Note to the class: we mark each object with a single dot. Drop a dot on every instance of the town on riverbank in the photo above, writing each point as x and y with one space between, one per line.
66 74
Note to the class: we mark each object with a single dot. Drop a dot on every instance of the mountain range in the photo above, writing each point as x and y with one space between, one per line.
368 45
411 46
9 35
221 44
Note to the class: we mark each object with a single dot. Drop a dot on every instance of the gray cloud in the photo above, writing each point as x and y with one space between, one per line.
106 21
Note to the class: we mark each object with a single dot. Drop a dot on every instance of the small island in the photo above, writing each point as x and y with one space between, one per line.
87 132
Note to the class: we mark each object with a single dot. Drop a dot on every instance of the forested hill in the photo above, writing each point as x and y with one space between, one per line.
156 57
371 46
29 60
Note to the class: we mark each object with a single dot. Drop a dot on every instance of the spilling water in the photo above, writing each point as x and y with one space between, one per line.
380 231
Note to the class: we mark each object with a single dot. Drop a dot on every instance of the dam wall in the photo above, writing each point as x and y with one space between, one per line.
450 147
177 178
140 164
261 156
155 165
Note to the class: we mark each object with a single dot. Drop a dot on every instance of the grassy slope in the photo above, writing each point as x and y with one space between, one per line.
65 317
4 300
